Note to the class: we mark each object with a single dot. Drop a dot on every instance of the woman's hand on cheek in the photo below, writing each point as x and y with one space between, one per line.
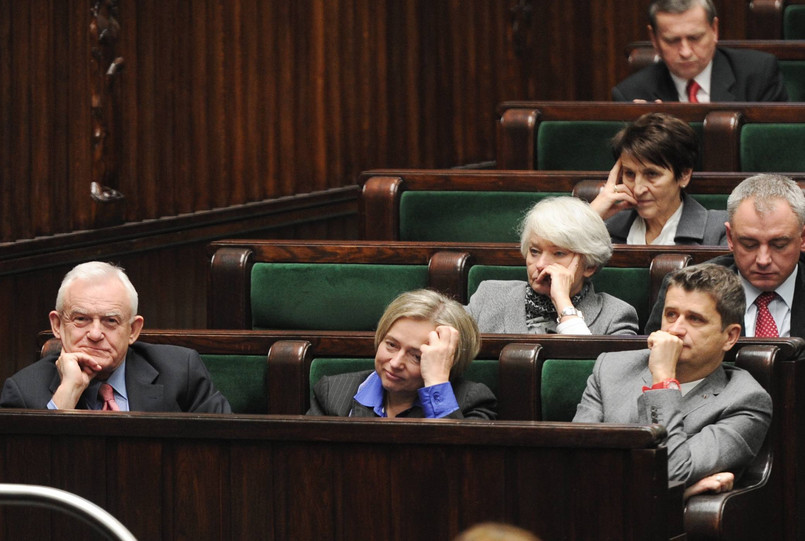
614 196
438 354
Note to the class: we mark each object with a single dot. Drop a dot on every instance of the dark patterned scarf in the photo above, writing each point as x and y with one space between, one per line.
539 308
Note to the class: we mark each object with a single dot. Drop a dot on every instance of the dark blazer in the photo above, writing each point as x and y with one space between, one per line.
797 309
697 225
718 426
334 395
738 75
158 378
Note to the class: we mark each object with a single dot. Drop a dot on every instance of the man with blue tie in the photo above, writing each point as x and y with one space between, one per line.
101 366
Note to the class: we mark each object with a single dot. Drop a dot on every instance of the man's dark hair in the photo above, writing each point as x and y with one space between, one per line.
659 139
679 6
722 284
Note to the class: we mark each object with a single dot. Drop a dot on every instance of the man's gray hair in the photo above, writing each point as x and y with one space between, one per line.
97 271
679 6
765 189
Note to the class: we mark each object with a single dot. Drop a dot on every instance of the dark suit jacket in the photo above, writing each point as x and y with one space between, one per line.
697 225
797 309
334 395
158 378
718 426
738 75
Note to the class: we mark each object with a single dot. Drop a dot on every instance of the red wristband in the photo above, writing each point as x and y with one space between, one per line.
669 383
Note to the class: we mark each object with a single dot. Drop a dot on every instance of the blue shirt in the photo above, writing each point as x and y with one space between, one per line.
436 401
118 382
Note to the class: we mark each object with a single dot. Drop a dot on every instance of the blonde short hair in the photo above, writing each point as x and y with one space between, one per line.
427 305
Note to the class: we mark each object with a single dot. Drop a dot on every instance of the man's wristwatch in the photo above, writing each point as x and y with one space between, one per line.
569 311
669 383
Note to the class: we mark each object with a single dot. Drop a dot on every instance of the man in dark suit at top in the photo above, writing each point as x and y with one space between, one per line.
100 366
693 69
766 234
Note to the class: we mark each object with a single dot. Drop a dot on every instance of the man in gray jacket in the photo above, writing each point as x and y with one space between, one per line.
716 416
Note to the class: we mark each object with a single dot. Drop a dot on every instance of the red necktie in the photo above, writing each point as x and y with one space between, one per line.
107 394
693 89
764 324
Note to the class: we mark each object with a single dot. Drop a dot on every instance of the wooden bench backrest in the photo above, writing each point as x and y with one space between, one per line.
727 143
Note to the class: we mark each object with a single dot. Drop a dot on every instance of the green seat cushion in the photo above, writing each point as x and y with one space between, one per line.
794 22
773 147
465 216
328 296
712 201
480 370
241 379
794 75
632 285
563 384
581 145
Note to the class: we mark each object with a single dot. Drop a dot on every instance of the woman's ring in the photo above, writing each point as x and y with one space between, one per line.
718 478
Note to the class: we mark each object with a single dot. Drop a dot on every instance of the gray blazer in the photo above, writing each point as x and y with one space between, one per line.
697 225
498 306
334 395
718 426
738 75
158 378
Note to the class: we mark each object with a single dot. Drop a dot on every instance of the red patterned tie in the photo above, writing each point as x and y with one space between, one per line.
107 394
764 324
693 89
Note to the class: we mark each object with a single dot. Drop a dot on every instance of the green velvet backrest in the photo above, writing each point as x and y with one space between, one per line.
480 370
715 201
773 147
563 383
794 75
465 216
328 296
581 145
794 22
630 284
241 379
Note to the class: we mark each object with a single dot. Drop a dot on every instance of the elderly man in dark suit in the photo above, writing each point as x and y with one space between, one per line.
766 234
693 69
100 366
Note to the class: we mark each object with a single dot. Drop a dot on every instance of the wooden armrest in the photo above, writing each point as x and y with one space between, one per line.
518 382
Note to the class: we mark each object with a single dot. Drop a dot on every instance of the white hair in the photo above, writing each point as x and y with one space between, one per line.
570 223
97 270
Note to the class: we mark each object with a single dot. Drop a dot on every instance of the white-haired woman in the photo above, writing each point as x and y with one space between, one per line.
564 243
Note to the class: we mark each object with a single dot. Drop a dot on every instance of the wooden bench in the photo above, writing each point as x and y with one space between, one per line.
776 19
634 273
543 377
575 135
790 57
487 205
277 477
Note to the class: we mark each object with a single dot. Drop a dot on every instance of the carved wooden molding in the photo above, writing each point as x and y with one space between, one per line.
104 30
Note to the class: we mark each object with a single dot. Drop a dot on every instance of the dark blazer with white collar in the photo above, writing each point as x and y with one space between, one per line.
728 260
158 378
335 396
738 75
718 426
697 225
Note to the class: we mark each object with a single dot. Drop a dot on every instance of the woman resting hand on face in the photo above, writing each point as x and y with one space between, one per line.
643 201
564 243
424 342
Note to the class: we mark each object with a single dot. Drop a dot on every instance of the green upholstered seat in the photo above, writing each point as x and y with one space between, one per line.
563 383
580 145
712 201
328 296
632 285
794 75
465 216
773 147
794 22
241 379
480 370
